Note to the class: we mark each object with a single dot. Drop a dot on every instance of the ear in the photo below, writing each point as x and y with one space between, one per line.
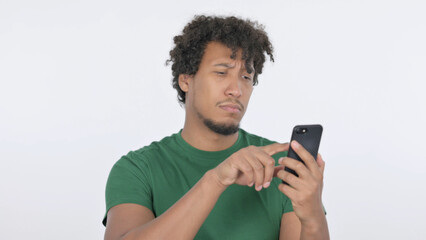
184 80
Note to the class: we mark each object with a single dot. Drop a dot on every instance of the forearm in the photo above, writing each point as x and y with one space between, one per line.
185 217
317 230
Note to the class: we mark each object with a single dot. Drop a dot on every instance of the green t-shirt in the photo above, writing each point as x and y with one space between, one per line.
158 175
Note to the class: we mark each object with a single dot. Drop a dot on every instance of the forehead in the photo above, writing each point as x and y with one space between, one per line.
217 53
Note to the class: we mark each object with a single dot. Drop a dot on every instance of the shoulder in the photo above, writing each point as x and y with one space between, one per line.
144 154
253 139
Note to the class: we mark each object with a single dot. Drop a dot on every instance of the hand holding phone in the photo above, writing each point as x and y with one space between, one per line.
309 136
305 191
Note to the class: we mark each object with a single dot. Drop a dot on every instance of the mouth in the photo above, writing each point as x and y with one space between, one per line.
232 108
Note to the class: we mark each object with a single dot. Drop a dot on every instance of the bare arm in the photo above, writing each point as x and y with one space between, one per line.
181 221
124 217
292 229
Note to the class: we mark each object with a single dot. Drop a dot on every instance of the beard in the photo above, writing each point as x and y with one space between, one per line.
222 129
219 128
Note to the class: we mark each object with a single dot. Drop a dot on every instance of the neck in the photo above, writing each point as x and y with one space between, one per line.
201 137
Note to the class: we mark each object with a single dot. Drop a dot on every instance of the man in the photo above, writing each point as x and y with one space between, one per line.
213 180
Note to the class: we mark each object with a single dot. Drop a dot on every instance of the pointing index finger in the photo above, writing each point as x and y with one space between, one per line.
275 148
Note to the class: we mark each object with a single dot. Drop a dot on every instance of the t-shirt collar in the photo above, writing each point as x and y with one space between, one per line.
209 154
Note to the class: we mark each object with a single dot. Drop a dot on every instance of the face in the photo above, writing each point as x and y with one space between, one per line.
218 94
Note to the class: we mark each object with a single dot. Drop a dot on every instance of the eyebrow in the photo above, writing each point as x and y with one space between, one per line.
227 65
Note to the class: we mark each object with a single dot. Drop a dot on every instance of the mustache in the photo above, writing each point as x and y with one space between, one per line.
232 102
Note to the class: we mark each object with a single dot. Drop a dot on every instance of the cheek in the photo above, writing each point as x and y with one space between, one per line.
203 95
248 92
210 91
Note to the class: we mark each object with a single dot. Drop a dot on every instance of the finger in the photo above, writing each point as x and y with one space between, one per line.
307 158
258 170
291 179
321 163
268 163
243 166
297 166
275 148
277 169
288 191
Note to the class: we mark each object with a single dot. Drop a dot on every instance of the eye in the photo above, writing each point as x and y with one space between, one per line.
220 73
247 78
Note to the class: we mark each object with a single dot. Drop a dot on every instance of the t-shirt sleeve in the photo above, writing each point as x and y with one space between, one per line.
128 182
287 206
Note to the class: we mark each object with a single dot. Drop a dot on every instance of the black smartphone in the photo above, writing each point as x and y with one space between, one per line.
309 136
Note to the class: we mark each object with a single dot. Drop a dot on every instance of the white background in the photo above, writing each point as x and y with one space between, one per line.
84 82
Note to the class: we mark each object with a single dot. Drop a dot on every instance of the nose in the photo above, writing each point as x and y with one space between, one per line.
233 88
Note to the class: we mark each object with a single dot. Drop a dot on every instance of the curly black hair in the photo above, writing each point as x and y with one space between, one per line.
235 33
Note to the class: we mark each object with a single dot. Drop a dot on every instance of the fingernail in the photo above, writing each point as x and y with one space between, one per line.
258 188
251 184
266 184
296 144
280 160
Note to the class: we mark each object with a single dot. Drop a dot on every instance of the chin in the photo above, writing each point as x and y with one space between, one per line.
222 128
